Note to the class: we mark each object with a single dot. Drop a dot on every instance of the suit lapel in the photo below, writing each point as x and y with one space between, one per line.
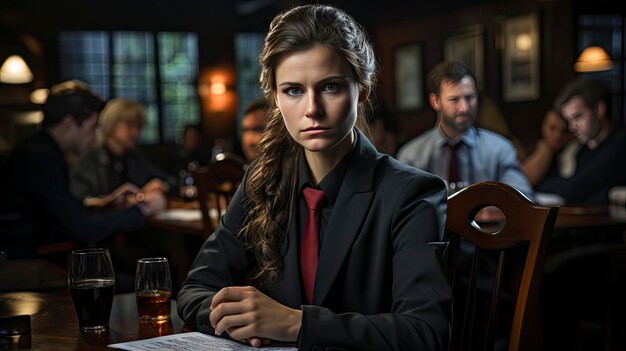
352 205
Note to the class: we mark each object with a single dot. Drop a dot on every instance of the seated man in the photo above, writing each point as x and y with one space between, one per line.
600 161
192 153
462 154
38 183
252 127
455 149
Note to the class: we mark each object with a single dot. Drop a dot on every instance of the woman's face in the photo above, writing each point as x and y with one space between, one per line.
318 96
126 134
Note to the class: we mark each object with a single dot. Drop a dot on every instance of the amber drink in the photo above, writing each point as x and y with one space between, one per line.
153 288
153 305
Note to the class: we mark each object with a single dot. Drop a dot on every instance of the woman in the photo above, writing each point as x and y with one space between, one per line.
378 283
546 156
116 166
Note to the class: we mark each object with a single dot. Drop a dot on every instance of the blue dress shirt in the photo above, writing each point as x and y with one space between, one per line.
483 156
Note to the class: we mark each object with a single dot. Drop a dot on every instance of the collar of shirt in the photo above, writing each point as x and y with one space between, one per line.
331 184
468 138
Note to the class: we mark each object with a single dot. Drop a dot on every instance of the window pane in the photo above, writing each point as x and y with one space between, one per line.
178 65
85 56
248 47
124 64
134 76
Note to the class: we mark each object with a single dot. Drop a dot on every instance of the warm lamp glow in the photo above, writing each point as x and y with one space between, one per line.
593 59
39 96
218 88
15 71
523 42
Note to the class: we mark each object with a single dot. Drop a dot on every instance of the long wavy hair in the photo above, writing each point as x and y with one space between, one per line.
271 186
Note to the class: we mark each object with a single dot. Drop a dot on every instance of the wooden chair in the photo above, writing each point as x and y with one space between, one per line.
521 238
217 183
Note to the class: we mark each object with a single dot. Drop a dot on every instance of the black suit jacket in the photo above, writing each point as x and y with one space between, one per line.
379 283
94 174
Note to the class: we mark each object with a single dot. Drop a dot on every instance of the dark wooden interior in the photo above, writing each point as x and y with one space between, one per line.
390 24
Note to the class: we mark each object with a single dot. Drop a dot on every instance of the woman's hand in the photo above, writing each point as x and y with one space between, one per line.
247 314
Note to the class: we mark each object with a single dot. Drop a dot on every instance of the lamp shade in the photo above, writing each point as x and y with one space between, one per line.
593 59
15 71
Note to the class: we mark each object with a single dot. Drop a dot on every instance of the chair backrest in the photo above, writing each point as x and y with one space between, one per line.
217 183
479 275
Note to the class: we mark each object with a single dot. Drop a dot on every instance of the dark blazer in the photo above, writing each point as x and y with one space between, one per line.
94 174
379 283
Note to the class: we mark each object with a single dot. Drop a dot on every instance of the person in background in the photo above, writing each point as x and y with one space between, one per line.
585 104
327 243
252 127
546 157
455 149
38 179
191 153
384 130
117 161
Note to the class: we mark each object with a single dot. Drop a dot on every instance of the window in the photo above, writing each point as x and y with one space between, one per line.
248 47
158 70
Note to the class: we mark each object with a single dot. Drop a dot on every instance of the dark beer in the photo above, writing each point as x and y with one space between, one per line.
153 305
93 299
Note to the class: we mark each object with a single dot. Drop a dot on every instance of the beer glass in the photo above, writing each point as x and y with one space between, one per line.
153 287
91 282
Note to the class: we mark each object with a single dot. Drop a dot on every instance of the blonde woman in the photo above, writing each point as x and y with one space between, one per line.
116 163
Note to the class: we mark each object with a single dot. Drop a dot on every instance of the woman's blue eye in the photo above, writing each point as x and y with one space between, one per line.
332 87
292 91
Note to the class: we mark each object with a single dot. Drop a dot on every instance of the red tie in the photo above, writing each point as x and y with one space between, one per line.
310 242
453 167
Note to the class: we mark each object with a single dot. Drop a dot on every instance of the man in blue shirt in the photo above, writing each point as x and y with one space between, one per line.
454 149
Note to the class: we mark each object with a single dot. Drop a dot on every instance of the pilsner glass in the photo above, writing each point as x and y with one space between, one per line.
91 282
153 287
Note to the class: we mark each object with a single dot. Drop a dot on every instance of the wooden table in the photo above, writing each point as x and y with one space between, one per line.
572 217
55 327
188 227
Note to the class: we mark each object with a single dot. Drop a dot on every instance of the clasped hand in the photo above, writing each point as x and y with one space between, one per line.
250 316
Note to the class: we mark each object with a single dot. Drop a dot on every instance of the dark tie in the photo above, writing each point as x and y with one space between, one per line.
453 167
310 242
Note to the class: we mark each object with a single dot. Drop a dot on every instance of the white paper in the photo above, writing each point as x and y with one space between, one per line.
180 214
193 341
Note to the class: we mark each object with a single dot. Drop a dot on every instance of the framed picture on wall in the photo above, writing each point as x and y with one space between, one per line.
468 47
408 87
520 58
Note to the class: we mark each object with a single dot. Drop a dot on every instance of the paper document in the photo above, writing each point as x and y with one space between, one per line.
193 341
180 214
